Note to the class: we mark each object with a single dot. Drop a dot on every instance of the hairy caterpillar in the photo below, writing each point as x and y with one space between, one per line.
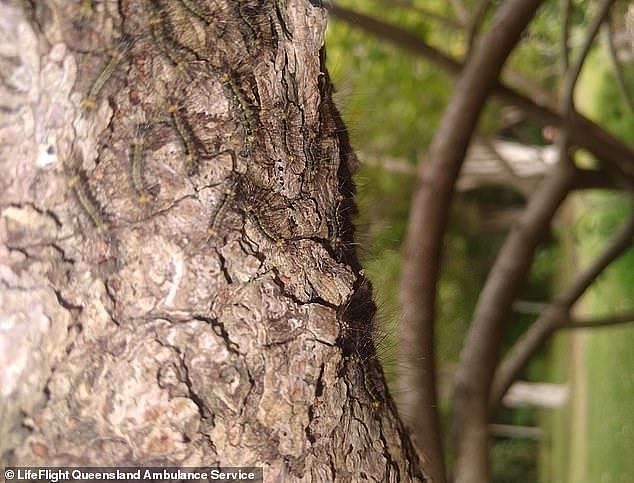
90 102
186 136
335 237
215 217
77 184
249 213
194 9
246 116
137 167
157 29
373 388
85 9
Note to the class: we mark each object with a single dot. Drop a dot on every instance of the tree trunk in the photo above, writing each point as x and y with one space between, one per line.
178 286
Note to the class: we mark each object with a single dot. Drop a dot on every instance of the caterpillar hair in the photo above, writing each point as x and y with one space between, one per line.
137 166
250 214
218 212
195 9
78 184
90 102
187 137
247 119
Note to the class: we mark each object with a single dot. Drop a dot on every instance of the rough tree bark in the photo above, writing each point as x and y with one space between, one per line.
177 280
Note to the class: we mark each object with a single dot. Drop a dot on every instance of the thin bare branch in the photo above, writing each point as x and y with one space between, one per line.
618 319
530 86
572 74
445 20
565 36
476 20
461 11
567 106
618 67
400 37
557 315
621 242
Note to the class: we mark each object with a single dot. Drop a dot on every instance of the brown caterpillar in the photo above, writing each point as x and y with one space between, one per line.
188 140
90 102
77 184
249 213
215 217
157 29
246 117
137 167
193 8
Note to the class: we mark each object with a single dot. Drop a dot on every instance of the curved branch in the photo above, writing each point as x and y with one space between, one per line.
479 356
572 73
429 213
477 19
618 67
557 315
445 20
565 35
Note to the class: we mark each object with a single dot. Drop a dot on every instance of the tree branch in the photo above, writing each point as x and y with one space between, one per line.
445 20
461 10
572 73
583 131
400 37
618 319
565 35
476 20
479 356
557 315
618 67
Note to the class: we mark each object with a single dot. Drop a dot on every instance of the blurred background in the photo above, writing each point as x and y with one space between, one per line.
570 417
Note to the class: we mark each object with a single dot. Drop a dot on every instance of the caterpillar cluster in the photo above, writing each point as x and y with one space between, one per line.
170 34
169 31
363 339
